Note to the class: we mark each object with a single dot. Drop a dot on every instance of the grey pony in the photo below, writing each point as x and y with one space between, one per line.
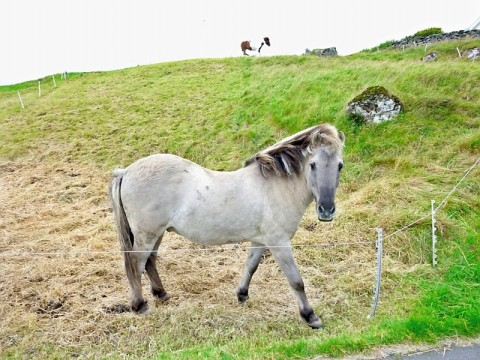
262 203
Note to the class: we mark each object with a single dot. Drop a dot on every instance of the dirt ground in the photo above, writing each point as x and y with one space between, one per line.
62 280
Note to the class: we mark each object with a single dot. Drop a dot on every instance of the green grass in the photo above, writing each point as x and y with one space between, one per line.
449 305
220 112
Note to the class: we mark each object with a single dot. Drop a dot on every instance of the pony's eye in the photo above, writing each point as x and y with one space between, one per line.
340 166
313 166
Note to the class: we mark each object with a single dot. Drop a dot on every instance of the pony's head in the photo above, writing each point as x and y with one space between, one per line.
316 154
323 169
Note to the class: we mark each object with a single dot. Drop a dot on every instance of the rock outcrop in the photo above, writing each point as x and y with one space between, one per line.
332 51
374 105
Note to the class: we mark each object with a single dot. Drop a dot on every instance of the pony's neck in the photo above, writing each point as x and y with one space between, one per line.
304 194
294 190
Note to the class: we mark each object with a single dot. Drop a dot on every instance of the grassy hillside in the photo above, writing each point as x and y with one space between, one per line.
57 153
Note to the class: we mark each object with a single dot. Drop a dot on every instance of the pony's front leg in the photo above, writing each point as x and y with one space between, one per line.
284 258
254 256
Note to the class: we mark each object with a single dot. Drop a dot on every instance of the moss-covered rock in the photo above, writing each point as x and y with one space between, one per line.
374 105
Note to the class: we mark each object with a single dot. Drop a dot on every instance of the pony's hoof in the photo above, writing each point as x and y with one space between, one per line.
140 307
161 295
316 324
242 296
312 320
242 299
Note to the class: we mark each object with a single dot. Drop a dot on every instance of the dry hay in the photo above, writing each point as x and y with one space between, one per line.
71 297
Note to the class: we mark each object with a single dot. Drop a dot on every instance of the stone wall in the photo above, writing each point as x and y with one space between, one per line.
422 40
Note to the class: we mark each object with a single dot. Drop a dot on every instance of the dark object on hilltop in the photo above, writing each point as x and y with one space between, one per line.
332 51
246 45
429 31
266 40
374 105
430 57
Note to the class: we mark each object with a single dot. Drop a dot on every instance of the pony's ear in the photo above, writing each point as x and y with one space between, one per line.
341 135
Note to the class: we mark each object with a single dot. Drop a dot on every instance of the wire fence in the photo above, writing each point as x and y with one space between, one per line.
237 247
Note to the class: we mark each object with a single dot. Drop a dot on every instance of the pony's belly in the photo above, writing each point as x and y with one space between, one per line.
209 229
214 236
217 218
212 240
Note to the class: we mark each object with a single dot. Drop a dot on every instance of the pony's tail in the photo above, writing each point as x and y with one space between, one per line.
125 235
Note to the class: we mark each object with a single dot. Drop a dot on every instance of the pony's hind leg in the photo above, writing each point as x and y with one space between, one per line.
151 267
254 256
135 262
134 275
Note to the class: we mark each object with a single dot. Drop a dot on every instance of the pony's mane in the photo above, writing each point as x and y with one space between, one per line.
287 157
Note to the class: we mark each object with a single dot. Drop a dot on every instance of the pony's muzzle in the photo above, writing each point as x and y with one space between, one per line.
325 214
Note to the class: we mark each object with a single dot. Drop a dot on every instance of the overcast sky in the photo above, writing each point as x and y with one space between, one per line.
43 37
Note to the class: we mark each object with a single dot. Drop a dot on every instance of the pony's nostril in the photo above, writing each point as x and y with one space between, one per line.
330 210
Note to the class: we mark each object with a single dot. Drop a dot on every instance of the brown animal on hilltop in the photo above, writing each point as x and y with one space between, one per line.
245 45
